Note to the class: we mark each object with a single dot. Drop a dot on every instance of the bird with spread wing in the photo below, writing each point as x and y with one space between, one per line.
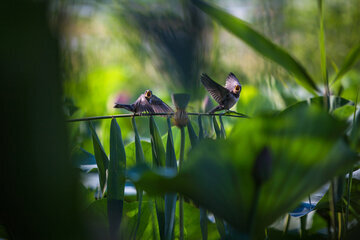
226 96
146 102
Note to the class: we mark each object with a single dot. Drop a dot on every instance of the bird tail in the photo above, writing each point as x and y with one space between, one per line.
125 106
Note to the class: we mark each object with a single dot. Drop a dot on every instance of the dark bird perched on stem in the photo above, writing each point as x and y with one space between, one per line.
147 102
226 96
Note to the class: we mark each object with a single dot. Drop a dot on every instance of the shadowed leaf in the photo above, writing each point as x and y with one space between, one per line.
116 178
102 160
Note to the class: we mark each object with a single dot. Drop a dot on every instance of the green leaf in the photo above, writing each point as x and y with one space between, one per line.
170 198
350 60
116 178
159 159
259 43
132 151
102 160
306 154
334 103
201 130
139 153
216 128
222 128
97 214
158 151
322 44
192 135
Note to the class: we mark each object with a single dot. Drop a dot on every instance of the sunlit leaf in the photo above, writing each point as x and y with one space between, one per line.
116 178
222 128
102 160
259 43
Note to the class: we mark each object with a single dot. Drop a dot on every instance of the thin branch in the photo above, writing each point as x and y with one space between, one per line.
238 115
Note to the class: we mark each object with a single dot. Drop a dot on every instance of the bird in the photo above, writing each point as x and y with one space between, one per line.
226 96
146 102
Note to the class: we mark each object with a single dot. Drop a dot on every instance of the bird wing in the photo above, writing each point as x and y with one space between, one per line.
142 105
158 105
217 91
231 82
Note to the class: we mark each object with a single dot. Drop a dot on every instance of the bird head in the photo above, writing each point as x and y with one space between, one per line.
237 89
148 94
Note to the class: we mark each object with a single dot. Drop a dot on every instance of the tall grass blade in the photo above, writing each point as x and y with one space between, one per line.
159 158
216 128
116 179
259 43
170 198
350 60
102 160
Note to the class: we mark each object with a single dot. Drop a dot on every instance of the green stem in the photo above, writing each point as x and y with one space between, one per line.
332 207
181 200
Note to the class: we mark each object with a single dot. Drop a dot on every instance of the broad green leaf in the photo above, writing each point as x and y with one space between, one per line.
116 178
350 60
102 160
307 148
259 43
216 128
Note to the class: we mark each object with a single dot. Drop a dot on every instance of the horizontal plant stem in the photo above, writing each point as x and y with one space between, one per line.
150 114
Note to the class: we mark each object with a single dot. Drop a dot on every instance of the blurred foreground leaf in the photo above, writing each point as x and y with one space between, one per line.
307 149
259 43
